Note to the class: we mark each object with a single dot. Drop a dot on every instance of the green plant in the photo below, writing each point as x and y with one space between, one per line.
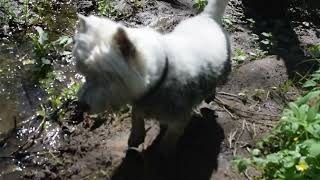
292 150
44 50
286 86
9 11
200 4
137 4
257 53
16 13
240 55
251 22
314 50
267 40
41 50
228 23
26 12
314 81
105 8
58 97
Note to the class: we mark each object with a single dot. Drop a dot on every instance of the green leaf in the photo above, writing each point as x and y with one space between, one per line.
315 51
312 113
256 152
294 107
260 162
241 58
40 113
315 149
310 83
266 34
45 61
307 97
314 130
43 36
289 162
241 163
273 158
265 41
64 41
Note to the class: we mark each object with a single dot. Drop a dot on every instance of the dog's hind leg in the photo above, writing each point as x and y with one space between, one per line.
138 132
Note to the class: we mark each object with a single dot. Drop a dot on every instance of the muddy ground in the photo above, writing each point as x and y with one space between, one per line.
245 108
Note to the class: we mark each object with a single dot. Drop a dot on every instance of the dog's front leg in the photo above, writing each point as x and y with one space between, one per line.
137 130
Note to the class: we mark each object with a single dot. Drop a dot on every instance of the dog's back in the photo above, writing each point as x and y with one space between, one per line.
198 52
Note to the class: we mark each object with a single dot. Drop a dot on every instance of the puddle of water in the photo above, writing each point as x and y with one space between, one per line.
19 97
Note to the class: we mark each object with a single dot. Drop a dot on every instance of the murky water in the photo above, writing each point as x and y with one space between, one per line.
19 96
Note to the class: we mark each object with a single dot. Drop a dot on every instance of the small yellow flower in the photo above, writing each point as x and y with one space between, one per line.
295 139
302 166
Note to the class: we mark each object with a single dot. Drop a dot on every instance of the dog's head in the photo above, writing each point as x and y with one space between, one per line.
107 57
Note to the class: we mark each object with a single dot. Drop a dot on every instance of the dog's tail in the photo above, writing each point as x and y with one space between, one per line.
215 9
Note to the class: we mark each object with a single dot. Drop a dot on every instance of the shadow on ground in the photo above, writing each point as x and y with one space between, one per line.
272 16
196 158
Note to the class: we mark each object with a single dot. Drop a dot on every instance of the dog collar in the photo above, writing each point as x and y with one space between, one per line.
157 85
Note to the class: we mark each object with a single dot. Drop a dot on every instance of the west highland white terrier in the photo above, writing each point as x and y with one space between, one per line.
163 76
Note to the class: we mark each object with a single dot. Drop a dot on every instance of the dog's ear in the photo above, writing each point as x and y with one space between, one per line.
123 43
82 23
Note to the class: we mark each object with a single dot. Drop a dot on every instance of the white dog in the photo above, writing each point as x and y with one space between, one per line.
163 76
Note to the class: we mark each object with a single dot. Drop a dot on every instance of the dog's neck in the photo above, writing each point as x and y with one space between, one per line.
152 90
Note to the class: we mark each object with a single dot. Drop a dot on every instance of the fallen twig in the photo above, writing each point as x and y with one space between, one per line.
237 139
234 110
231 137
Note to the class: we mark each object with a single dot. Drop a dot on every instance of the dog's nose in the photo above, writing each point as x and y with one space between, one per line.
83 106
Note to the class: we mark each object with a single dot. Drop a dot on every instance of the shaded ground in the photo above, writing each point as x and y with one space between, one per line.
246 108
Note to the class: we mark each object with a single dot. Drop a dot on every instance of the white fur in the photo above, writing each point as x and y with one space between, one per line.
197 51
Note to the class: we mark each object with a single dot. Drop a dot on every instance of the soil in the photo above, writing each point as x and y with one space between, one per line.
245 109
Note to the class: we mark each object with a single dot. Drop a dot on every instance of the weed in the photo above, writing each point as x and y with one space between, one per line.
286 86
26 12
9 11
228 23
57 97
292 150
314 50
200 4
267 40
258 94
251 22
105 8
137 4
240 56
257 53
314 81
41 50
44 51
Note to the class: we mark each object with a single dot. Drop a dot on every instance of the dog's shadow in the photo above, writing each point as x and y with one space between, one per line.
196 157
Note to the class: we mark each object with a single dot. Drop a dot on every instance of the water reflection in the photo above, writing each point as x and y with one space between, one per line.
19 96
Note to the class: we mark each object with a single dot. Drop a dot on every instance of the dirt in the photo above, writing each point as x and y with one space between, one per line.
245 109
